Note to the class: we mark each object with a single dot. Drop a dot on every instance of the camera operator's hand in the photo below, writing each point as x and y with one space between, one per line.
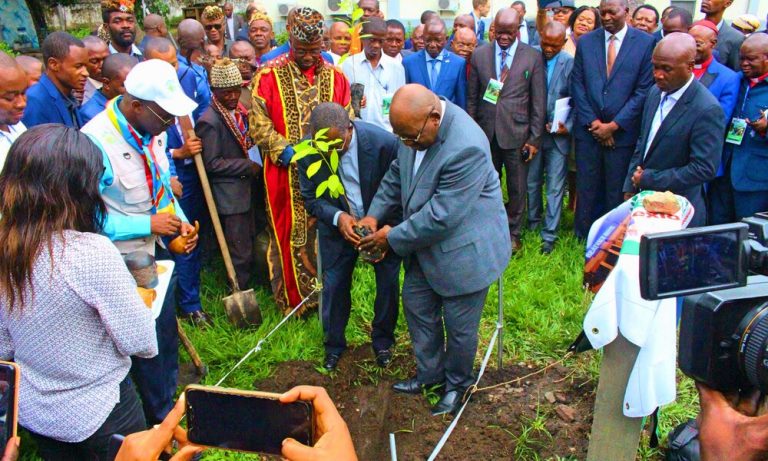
333 441
11 449
727 433
147 445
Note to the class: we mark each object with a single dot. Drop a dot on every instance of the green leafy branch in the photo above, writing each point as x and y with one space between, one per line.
324 148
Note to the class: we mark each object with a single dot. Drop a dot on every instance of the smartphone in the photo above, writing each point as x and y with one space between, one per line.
248 421
9 402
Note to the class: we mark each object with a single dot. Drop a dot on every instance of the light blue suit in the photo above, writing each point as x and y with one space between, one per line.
454 240
451 81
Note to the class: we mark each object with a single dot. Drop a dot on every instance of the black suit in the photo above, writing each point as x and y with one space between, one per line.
237 190
376 149
685 152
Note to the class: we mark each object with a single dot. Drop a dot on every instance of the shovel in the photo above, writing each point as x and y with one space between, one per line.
241 307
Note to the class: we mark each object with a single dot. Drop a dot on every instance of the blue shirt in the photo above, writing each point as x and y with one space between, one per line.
438 64
349 172
90 109
510 53
197 89
122 227
551 67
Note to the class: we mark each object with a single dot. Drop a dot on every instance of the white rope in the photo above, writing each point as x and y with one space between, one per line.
257 348
455 421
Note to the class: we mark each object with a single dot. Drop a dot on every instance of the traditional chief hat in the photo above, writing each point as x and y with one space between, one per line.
259 15
113 6
307 25
225 74
212 13
747 22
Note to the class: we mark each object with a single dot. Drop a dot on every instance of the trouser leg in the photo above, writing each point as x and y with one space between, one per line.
462 319
385 307
239 234
589 186
423 312
556 166
534 184
337 300
188 265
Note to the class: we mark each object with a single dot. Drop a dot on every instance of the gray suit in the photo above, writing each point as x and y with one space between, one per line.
553 158
728 46
454 241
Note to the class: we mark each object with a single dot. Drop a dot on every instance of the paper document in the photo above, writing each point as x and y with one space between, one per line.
562 111
255 155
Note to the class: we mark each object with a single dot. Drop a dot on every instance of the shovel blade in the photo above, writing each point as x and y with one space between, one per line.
242 309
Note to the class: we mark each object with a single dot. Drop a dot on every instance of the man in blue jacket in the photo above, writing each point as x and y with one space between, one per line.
50 100
611 75
436 68
746 145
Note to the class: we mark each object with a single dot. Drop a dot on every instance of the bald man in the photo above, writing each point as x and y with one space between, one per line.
464 44
191 42
32 66
417 38
453 236
721 81
154 27
13 86
462 21
748 173
681 131
232 22
97 52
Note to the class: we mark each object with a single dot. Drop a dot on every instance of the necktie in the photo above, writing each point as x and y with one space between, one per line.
661 108
433 76
611 58
504 67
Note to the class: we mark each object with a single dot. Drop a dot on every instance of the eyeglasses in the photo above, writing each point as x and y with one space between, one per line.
165 122
213 26
418 135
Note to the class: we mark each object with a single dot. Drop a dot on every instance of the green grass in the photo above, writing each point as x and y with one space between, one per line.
543 309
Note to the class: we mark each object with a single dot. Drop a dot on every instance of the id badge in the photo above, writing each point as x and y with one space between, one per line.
736 131
386 102
493 91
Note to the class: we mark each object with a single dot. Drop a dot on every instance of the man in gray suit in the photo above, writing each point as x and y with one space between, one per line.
453 236
729 39
554 146
508 98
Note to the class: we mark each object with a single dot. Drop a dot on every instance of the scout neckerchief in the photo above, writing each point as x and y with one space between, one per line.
162 201
236 126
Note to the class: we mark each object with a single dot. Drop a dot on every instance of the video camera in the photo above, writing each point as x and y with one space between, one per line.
724 323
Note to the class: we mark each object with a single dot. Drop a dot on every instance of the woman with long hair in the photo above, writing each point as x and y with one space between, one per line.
583 20
70 315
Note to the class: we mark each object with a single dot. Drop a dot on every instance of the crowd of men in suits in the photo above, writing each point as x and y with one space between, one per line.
645 101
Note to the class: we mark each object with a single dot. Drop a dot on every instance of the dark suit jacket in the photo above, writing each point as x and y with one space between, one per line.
617 98
729 42
376 150
685 153
451 82
46 104
229 170
749 161
238 22
454 221
520 113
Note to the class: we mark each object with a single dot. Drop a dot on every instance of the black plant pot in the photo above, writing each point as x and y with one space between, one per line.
358 91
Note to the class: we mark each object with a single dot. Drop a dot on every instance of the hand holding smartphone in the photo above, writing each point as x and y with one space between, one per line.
247 421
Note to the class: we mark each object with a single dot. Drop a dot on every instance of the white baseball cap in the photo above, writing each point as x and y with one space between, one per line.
155 80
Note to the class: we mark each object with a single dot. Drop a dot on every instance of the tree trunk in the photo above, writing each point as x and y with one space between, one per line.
36 9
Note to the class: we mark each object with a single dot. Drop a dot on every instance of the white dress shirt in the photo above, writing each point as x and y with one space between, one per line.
231 27
666 104
524 32
381 82
420 153
349 173
7 138
510 54
618 41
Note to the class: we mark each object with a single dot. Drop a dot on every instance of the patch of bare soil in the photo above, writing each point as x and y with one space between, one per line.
547 415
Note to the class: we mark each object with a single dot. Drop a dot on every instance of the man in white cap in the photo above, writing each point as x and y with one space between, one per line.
140 205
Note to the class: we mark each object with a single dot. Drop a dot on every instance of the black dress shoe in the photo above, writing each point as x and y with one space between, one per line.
412 386
449 403
383 358
547 247
331 360
199 319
